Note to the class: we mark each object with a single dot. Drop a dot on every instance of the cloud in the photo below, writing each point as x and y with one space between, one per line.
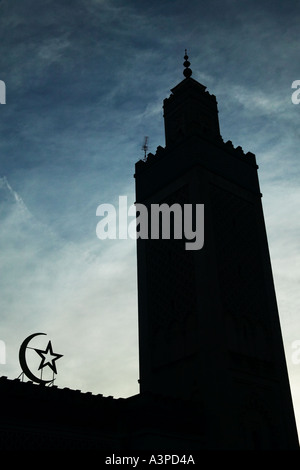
68 291
85 84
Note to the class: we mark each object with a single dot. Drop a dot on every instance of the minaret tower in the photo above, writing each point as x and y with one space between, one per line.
209 329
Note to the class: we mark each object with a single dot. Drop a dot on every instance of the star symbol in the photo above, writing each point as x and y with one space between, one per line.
48 357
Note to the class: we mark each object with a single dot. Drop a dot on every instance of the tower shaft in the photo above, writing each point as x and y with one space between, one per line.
209 329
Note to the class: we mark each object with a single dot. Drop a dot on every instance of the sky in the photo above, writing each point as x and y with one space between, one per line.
85 83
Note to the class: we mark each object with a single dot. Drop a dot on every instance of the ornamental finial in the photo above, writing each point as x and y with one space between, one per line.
187 71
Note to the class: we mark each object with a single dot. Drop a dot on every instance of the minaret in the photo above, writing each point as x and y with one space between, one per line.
209 329
190 110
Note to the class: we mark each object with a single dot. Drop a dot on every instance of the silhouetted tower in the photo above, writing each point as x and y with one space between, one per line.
209 328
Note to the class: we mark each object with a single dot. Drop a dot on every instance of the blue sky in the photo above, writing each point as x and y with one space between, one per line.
85 82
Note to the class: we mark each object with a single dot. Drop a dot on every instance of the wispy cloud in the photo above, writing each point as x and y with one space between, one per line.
68 291
85 84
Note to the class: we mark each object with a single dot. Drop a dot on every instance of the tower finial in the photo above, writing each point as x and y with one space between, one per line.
187 71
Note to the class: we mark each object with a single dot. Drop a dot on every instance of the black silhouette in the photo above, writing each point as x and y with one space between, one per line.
212 364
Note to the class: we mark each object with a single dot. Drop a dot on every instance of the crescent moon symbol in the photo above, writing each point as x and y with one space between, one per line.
23 363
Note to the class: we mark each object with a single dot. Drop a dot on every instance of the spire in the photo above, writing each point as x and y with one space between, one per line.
187 71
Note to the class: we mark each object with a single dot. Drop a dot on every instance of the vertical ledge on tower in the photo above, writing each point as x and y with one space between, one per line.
190 110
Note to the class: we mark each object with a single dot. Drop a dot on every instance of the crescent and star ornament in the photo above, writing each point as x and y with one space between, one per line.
48 359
